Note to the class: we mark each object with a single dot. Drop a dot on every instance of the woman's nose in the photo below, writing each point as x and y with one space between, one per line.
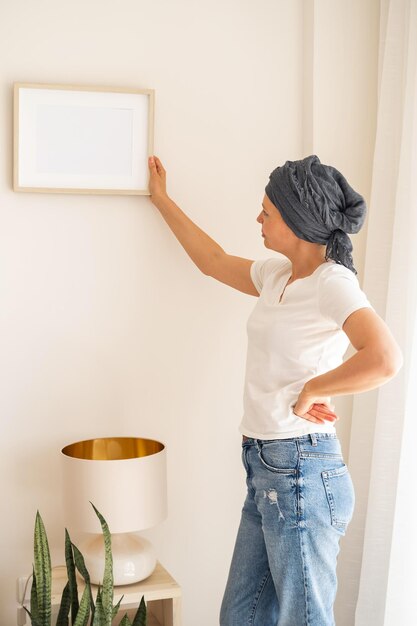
259 218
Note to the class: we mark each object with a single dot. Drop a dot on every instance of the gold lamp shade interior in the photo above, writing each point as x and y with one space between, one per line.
112 448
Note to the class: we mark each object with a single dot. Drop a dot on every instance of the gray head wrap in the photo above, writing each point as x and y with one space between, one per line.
319 205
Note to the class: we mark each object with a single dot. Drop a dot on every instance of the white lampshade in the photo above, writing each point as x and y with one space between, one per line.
125 479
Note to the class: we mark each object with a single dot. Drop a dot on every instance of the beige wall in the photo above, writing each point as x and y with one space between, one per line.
106 326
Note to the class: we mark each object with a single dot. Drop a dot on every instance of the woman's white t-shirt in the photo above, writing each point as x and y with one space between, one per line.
293 340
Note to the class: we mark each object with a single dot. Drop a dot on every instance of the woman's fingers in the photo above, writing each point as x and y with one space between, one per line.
314 419
152 165
320 420
320 413
157 182
329 418
323 408
157 166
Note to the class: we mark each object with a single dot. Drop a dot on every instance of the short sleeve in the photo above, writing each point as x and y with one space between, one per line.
340 294
260 270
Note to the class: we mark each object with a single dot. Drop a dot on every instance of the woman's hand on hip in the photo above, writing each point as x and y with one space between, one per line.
314 408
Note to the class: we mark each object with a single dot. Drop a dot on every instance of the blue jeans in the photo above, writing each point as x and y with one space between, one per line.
299 503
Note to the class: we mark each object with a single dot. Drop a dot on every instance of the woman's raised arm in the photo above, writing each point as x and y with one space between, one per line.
208 256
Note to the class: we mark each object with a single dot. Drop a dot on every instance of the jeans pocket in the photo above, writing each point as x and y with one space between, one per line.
340 496
275 459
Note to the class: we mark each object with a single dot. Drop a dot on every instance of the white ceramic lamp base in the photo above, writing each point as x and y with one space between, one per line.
134 558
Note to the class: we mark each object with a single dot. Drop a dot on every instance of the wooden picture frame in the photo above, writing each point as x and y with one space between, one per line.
82 139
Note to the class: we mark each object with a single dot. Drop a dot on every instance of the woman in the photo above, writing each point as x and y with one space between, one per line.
300 495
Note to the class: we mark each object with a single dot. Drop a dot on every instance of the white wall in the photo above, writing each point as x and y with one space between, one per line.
106 326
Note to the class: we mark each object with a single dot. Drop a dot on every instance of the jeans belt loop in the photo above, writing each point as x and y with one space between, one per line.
313 439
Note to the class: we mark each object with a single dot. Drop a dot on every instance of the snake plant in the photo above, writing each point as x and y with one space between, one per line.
72 610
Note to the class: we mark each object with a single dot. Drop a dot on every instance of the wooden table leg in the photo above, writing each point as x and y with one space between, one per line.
167 612
176 611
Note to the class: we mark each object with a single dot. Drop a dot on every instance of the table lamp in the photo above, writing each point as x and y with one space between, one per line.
125 479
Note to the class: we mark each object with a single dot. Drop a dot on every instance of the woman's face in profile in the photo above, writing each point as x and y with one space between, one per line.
274 230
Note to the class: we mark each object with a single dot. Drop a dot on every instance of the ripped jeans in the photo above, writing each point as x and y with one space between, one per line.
299 503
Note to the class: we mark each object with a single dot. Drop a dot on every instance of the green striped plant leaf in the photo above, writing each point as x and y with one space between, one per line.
107 592
42 572
33 621
84 609
140 617
72 579
64 609
99 617
80 565
125 621
116 608
34 613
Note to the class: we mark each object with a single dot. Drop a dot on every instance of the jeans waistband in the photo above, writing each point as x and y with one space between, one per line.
309 437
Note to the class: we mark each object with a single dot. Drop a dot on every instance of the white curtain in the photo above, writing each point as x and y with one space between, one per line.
383 445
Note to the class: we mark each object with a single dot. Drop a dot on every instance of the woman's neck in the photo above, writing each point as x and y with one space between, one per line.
301 270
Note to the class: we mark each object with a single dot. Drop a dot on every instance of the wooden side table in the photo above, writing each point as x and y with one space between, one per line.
162 596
